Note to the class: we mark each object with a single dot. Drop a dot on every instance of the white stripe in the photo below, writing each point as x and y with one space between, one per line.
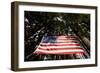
60 51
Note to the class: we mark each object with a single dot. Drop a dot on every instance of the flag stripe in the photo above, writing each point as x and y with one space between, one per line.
59 44
60 49
58 53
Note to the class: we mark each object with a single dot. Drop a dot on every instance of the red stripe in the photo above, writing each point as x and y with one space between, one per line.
60 49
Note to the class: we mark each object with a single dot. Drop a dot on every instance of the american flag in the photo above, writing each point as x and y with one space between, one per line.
59 45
